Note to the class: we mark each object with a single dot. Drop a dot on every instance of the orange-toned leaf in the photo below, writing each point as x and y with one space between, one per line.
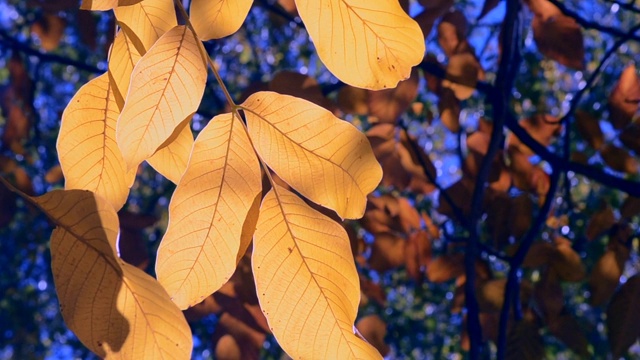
146 21
171 159
324 158
215 19
208 211
87 149
560 38
103 5
624 98
302 264
359 46
389 104
123 57
166 87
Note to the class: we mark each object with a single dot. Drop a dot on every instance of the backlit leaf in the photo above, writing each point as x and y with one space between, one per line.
105 4
123 57
166 87
214 19
171 159
147 21
324 158
306 280
208 211
368 44
87 149
115 309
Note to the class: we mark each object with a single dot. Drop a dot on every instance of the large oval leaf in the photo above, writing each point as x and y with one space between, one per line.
368 44
87 148
324 158
115 309
208 212
166 87
306 280
147 21
214 19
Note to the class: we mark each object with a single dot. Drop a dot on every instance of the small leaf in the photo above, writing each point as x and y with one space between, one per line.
356 43
207 213
105 4
302 264
87 149
623 317
136 316
215 19
146 21
324 158
171 159
166 87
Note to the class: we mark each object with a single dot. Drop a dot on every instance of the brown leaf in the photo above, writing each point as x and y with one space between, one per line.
132 244
524 341
600 222
538 255
49 28
445 268
548 294
630 137
16 101
371 290
452 30
560 38
462 75
623 317
623 99
566 261
449 108
542 127
374 329
630 207
605 276
303 86
227 348
54 175
387 252
522 215
589 128
460 193
418 254
387 105
491 295
487 7
569 331
353 100
619 159
88 28
432 11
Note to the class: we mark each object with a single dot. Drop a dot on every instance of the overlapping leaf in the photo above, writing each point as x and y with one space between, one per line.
306 280
87 148
115 309
324 158
105 4
166 87
368 44
123 57
214 19
171 159
147 21
216 197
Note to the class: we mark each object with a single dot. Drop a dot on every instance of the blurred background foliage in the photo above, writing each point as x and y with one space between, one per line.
409 245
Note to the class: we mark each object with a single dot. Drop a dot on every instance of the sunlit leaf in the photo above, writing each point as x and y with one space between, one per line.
368 44
324 158
87 149
105 4
306 280
171 158
146 21
123 56
214 19
166 87
208 211
115 309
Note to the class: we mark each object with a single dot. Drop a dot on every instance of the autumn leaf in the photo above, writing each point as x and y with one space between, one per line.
166 87
623 316
105 4
136 317
366 44
123 57
146 21
302 264
324 158
172 157
560 38
215 19
87 148
624 98
208 211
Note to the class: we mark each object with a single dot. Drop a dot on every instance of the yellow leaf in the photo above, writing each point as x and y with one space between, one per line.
306 280
105 4
368 44
208 211
147 21
115 309
87 148
324 158
166 87
171 159
123 56
214 19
